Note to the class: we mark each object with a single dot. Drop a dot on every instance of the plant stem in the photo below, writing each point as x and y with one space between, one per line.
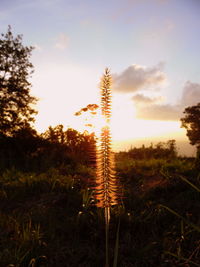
107 220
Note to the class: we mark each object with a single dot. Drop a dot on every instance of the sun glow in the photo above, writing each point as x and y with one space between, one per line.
135 128
95 123
123 123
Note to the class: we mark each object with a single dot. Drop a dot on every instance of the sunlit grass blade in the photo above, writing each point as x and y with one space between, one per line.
194 226
191 184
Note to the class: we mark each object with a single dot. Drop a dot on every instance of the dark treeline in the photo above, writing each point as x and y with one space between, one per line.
161 150
29 151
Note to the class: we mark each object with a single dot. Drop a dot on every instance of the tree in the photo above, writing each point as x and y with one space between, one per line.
191 122
55 135
16 109
171 147
70 143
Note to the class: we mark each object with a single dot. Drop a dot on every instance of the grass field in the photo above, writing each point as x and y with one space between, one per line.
47 219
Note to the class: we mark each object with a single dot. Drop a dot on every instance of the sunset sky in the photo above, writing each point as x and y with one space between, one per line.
151 46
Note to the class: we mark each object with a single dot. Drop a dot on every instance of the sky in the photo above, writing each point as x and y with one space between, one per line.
150 46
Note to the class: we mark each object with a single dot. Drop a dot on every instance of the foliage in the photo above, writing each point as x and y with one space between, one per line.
28 151
19 151
78 146
161 150
191 122
46 218
16 109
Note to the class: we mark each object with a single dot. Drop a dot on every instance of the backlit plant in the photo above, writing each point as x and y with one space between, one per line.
106 189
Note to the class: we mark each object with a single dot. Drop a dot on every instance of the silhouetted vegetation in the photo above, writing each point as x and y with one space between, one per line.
161 150
47 216
28 151
16 109
191 121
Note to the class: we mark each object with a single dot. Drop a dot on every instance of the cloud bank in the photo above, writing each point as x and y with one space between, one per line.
140 99
137 77
148 109
142 82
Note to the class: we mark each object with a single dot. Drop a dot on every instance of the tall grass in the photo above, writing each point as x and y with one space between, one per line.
194 227
106 184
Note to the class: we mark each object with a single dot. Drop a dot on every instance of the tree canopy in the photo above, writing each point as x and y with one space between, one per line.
16 109
191 122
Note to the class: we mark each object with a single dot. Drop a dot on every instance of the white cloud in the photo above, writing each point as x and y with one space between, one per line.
137 77
62 41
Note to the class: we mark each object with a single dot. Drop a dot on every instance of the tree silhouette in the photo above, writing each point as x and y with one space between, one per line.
16 109
70 143
191 122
